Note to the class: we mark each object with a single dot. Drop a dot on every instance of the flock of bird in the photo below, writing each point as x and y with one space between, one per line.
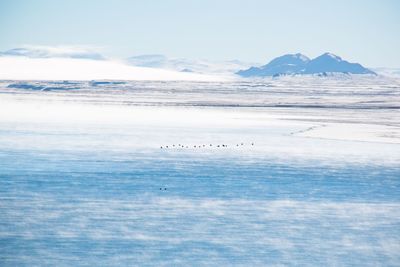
199 146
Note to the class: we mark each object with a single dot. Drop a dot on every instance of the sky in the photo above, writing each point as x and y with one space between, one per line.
363 31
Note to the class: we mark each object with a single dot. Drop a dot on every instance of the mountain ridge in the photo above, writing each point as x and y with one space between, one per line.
294 64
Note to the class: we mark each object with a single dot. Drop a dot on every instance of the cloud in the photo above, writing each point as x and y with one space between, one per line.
38 51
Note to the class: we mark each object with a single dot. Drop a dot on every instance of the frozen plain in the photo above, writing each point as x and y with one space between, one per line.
84 180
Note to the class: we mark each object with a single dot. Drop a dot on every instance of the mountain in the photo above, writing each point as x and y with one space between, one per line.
287 64
188 65
299 64
331 63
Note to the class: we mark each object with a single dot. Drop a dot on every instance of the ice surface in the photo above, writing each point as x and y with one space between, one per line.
306 172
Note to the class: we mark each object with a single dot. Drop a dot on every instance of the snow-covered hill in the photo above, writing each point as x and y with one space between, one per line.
389 72
77 63
24 68
228 67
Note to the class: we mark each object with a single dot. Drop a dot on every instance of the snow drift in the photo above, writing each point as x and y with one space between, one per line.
26 68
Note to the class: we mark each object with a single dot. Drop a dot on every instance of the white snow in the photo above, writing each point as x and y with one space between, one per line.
388 72
333 56
355 132
25 68
221 68
337 120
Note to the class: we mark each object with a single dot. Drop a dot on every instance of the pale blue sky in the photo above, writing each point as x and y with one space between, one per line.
365 31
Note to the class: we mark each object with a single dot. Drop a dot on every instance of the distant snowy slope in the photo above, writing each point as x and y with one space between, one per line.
188 65
27 68
389 72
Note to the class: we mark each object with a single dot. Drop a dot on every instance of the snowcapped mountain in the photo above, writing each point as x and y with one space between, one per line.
300 64
53 52
188 65
287 64
331 63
